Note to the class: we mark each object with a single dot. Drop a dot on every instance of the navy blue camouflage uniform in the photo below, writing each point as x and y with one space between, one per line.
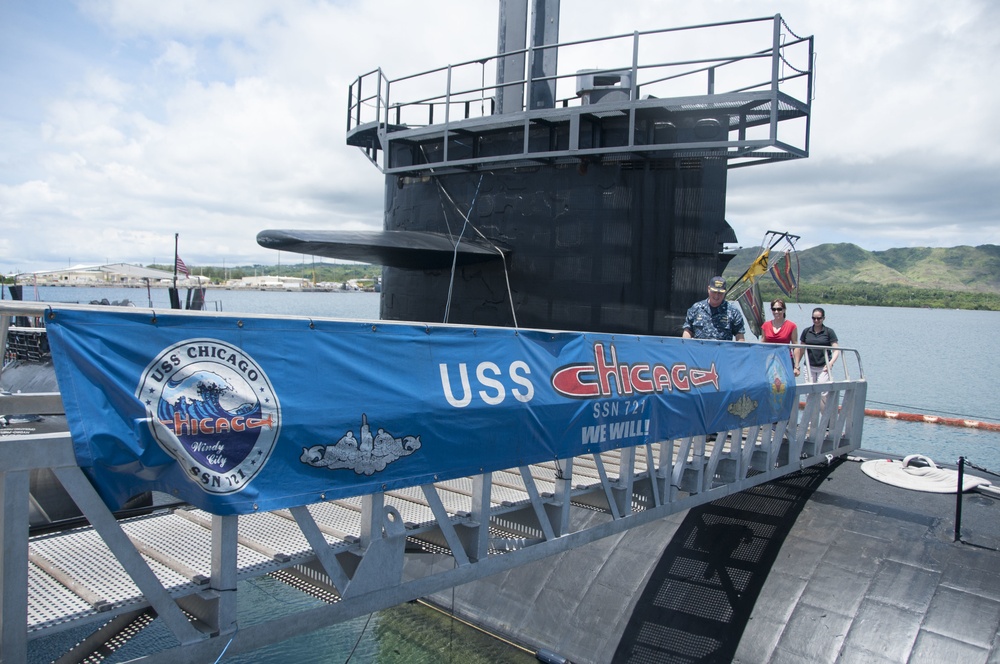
724 322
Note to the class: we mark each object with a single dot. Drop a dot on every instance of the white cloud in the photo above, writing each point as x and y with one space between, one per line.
218 120
178 57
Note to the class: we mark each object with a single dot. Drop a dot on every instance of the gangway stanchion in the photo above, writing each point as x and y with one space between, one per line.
958 498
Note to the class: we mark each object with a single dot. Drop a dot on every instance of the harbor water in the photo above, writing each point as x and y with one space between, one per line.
927 361
915 360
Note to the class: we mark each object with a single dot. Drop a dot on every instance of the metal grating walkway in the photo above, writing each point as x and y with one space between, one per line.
74 575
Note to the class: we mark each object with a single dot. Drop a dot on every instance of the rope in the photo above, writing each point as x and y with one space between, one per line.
978 467
451 623
358 642
228 643
461 234
503 259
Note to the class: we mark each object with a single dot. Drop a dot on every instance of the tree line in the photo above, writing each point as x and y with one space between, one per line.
885 295
320 272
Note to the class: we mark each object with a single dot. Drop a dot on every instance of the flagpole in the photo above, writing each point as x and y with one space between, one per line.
175 259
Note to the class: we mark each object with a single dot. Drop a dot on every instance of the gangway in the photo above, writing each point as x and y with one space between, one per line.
181 565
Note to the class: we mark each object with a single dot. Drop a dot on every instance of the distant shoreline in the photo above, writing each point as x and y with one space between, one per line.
308 289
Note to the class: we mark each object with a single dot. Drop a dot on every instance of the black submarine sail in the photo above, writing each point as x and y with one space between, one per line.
562 197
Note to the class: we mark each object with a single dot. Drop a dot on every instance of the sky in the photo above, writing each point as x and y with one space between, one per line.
125 122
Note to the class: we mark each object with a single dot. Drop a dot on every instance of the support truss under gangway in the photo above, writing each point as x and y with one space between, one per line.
371 552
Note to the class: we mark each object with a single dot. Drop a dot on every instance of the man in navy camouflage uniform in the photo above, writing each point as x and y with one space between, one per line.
714 318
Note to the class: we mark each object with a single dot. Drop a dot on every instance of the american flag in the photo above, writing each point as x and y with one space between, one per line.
179 266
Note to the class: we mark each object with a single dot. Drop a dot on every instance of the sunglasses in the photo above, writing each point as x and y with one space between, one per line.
777 309
817 318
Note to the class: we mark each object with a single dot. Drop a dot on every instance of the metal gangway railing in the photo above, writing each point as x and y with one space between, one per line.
182 565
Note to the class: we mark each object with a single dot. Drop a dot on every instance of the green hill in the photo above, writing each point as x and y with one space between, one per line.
956 277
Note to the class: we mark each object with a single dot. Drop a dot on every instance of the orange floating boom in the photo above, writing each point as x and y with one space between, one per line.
933 419
928 419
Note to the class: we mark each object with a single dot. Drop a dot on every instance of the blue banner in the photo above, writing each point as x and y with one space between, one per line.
238 414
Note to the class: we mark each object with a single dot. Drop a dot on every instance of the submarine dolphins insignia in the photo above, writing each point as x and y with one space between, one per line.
742 407
365 456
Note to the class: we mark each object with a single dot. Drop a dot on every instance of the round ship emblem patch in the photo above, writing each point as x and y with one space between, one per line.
213 409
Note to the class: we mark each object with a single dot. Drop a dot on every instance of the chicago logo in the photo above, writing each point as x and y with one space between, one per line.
213 409
603 377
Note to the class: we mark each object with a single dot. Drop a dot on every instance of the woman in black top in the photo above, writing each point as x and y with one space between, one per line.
819 359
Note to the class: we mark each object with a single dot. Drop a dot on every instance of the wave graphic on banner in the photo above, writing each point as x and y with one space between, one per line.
191 407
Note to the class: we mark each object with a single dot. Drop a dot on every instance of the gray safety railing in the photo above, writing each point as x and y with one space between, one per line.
366 553
641 76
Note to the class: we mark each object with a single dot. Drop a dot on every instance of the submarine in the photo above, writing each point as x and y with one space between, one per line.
558 196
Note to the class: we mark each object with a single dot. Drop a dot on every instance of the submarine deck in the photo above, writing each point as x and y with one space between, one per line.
877 575
824 565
